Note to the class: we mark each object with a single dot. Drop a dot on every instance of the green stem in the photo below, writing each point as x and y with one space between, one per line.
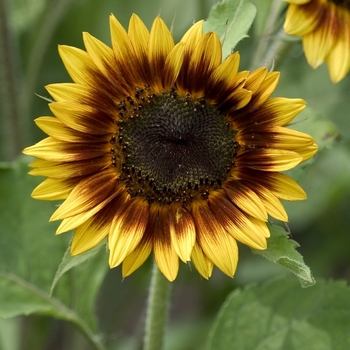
271 24
157 311
11 126
52 16
203 9
279 49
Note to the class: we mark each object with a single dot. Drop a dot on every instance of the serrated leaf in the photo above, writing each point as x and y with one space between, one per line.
280 315
230 20
282 250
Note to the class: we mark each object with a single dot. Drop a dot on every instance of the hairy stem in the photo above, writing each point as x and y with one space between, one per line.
11 126
271 26
52 16
279 49
157 311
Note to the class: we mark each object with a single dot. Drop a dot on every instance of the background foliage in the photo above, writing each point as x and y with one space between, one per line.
270 313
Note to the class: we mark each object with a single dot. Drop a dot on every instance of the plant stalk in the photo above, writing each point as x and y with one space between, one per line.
157 311
271 26
11 126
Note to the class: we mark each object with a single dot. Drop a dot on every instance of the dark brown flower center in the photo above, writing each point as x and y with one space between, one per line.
175 149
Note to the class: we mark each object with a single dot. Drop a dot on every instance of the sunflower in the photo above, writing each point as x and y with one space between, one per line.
167 149
325 29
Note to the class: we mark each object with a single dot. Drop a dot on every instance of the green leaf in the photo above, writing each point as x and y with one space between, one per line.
30 254
20 297
230 20
68 262
281 250
280 315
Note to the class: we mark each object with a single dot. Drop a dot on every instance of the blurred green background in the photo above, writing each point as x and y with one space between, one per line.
319 225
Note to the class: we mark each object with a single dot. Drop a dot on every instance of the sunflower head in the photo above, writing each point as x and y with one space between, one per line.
167 149
325 29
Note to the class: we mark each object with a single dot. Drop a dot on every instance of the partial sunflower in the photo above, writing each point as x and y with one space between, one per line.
164 148
325 29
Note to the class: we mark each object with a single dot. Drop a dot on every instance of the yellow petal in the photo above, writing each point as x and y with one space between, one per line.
190 39
308 152
227 70
124 53
276 111
67 91
301 20
87 194
54 189
220 247
97 227
267 87
167 260
72 222
271 202
139 36
90 95
182 231
338 59
164 252
83 118
235 222
59 151
260 227
100 54
223 79
55 128
201 262
87 236
193 35
317 44
274 137
161 43
136 258
255 79
172 67
269 159
284 187
206 57
246 199
238 99
78 64
127 229
69 170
